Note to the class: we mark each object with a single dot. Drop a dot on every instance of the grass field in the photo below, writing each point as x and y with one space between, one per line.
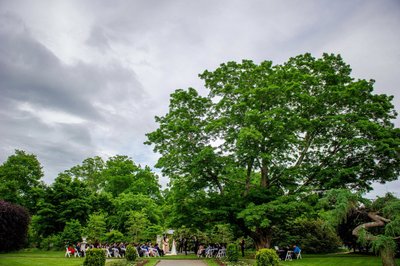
38 258
339 259
56 258
333 260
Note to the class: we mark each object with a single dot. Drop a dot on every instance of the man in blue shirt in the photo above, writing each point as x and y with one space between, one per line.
296 251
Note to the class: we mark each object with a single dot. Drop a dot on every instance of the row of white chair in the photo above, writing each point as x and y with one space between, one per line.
220 254
289 255
115 252
146 253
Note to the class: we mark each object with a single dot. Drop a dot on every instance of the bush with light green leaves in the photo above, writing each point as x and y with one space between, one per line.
232 253
131 253
95 257
267 257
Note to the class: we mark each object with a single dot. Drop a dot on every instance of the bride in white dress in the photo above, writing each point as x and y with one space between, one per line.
173 249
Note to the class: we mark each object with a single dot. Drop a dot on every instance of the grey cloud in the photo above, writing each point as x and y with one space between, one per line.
56 147
30 74
98 38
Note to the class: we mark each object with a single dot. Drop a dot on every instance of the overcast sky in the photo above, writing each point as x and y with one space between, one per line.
86 78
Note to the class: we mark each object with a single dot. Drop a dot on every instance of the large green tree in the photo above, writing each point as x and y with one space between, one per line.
20 180
126 203
90 171
267 135
116 175
64 200
96 227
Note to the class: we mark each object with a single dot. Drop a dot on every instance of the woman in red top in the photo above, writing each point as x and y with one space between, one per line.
71 249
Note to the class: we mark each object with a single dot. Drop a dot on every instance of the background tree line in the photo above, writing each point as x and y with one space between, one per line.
113 200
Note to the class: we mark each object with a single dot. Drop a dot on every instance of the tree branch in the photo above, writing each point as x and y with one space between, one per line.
336 148
377 221
248 176
308 140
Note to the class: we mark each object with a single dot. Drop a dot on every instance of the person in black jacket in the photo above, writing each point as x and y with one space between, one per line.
242 246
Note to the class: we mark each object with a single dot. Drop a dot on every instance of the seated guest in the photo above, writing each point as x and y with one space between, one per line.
71 249
122 249
201 251
282 252
78 248
150 250
160 251
140 250
145 249
296 250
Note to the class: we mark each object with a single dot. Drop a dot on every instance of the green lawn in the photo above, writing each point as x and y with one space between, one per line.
56 258
38 258
333 260
338 259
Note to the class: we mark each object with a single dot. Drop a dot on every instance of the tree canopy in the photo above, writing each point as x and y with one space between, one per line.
268 132
20 180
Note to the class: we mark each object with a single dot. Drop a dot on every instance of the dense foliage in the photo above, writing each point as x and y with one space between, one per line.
14 222
380 225
20 181
267 257
312 235
106 201
232 252
131 253
95 257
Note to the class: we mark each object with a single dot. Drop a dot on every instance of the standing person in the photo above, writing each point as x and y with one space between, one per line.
180 245
173 248
185 245
196 245
166 245
242 246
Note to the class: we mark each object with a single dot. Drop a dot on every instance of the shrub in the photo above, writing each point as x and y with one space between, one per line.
310 234
315 237
267 257
131 253
95 257
53 242
14 222
232 253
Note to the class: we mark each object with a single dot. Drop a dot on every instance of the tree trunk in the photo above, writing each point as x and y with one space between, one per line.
248 177
220 187
261 240
264 174
388 257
